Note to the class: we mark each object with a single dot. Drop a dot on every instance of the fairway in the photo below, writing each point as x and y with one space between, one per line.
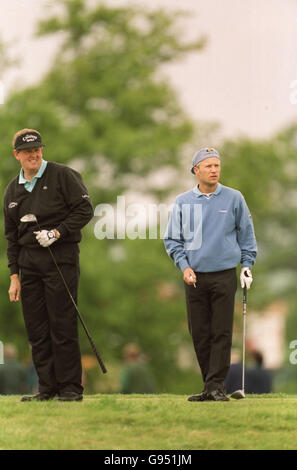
154 422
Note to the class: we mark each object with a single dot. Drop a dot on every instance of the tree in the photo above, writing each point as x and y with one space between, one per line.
104 106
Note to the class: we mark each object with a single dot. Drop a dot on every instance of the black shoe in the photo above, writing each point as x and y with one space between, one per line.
199 397
38 397
70 396
217 395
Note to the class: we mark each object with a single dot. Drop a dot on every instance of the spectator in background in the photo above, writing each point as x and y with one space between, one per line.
13 378
234 376
258 379
32 377
135 376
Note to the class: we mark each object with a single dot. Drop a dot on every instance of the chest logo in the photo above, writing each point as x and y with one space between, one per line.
12 205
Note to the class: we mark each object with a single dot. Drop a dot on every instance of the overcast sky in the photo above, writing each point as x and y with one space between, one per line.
241 79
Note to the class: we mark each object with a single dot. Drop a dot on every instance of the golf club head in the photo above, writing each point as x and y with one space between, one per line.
238 395
28 218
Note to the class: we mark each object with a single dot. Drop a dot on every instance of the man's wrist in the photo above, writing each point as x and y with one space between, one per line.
57 233
183 264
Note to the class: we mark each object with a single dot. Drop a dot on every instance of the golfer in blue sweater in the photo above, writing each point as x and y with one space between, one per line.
210 231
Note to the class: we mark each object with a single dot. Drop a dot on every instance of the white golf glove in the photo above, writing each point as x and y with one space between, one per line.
246 278
46 237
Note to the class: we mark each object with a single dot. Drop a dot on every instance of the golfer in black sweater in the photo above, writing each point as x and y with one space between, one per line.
56 195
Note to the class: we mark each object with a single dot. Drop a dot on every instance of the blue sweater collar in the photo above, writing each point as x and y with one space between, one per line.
198 193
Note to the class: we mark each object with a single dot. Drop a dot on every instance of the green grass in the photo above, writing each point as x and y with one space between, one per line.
154 422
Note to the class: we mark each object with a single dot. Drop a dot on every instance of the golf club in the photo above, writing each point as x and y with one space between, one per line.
238 394
32 218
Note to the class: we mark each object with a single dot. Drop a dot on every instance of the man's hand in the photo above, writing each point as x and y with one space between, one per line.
246 278
190 277
15 288
46 237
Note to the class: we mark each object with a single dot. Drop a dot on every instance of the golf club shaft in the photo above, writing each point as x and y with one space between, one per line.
101 364
103 368
243 336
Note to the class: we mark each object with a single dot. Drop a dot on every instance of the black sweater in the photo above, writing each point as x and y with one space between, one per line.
59 200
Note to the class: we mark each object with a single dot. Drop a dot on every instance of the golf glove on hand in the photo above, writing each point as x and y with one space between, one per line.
246 278
46 237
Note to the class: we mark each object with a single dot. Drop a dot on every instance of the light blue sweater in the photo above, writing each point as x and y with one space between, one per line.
211 234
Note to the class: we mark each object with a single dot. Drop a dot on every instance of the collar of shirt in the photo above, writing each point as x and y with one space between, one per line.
198 193
29 185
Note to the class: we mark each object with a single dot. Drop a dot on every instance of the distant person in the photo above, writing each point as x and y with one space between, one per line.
209 233
13 379
233 380
258 379
135 376
32 378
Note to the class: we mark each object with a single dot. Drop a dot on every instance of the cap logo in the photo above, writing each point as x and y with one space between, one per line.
209 150
30 138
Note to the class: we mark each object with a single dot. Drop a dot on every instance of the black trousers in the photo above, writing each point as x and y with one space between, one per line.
51 320
210 309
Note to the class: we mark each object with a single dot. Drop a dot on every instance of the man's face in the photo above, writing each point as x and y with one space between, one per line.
208 171
30 159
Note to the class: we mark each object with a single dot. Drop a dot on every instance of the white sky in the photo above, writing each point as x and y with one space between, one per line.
241 79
